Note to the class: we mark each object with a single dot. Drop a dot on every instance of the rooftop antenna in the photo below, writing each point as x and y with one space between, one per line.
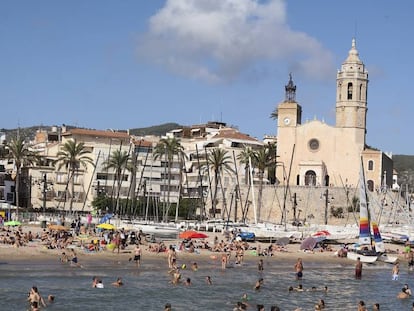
356 29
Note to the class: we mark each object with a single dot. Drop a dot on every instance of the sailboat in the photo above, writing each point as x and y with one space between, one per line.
371 247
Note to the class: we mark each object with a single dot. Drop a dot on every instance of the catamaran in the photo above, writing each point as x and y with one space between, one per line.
371 247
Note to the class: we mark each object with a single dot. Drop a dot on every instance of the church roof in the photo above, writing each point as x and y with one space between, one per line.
353 55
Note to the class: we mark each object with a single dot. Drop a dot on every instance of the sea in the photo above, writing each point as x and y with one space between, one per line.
149 287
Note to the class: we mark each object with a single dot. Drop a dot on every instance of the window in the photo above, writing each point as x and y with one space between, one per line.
310 178
349 91
61 178
313 144
370 165
61 195
370 185
102 176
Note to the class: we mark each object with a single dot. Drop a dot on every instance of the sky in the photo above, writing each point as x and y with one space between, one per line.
130 64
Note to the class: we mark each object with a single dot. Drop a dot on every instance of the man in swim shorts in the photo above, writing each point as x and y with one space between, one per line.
299 269
137 255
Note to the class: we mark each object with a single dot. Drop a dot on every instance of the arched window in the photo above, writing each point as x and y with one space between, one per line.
310 178
349 91
370 185
370 165
339 90
298 180
360 92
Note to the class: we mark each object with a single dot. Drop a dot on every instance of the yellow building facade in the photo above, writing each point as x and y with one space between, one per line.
318 154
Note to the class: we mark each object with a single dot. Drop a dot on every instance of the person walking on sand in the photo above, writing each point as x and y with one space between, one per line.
117 242
395 272
358 269
299 269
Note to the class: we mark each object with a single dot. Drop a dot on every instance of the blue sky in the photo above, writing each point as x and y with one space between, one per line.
127 64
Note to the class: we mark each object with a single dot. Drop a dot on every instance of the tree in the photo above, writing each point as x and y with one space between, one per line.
263 159
244 157
20 152
119 161
72 156
218 161
275 114
166 149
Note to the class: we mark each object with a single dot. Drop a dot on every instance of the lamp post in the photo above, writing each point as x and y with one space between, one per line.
326 206
44 192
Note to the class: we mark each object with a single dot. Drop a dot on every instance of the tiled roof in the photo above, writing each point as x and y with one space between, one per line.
230 133
142 143
97 133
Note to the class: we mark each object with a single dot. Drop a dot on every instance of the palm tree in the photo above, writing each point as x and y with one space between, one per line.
20 152
167 148
263 159
218 161
119 161
73 155
244 157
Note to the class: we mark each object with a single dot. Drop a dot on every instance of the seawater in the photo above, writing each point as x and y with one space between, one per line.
148 287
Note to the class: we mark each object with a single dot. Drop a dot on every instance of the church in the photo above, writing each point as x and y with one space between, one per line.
318 154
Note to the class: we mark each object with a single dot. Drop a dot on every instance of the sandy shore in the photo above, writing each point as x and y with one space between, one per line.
36 252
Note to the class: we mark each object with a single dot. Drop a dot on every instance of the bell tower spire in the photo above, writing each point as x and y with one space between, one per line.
351 94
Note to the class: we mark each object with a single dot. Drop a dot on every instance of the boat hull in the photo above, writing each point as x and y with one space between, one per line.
387 258
371 258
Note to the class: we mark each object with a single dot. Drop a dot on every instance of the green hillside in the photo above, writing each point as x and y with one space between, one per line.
157 130
404 165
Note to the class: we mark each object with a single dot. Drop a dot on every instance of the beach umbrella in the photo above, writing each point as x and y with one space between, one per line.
12 223
322 233
106 226
309 243
190 234
283 241
105 218
58 228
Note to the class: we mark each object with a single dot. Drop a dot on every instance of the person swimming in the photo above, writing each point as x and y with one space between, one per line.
208 280
118 282
405 292
258 284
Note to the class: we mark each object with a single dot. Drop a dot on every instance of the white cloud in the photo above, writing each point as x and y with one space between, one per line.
220 40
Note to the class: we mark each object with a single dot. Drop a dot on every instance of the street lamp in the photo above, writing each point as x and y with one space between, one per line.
44 192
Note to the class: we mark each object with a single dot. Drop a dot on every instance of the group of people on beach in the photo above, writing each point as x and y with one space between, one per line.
223 251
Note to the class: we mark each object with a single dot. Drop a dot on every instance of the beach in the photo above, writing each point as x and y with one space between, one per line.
38 252
25 266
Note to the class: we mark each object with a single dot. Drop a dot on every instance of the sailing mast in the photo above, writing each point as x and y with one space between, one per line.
365 237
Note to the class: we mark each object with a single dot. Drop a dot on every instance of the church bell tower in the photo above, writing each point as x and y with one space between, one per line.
351 94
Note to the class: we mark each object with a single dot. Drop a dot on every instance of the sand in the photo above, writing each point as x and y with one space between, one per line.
35 251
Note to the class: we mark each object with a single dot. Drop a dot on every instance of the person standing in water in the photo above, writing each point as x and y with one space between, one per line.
299 269
358 269
137 255
260 266
395 272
